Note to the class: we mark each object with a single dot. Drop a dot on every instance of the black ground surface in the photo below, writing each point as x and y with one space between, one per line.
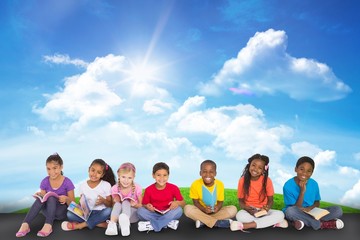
10 223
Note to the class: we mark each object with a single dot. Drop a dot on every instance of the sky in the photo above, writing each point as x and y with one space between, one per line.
179 81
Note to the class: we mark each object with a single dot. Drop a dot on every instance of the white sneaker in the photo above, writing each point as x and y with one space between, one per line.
111 229
124 224
145 226
339 224
173 224
198 224
282 224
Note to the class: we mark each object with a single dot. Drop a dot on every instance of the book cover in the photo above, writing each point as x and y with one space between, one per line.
82 209
122 198
260 213
46 196
209 198
317 213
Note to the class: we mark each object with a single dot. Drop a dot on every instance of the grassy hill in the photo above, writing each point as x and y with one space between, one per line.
231 199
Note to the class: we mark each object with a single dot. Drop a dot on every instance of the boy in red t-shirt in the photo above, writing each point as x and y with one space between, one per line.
162 202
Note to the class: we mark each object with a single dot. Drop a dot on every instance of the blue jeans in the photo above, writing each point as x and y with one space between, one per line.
294 213
159 221
96 217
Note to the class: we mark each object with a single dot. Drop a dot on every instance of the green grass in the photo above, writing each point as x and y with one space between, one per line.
231 199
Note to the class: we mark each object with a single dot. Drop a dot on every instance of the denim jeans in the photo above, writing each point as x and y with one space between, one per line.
96 217
157 220
294 213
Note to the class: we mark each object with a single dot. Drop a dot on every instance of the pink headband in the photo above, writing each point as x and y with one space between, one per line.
127 166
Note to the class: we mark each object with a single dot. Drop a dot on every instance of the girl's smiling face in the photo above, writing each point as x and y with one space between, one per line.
126 179
96 172
256 168
53 169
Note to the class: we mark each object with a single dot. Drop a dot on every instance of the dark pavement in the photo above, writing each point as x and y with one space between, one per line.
10 223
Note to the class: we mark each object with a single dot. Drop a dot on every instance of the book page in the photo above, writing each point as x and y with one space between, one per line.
318 213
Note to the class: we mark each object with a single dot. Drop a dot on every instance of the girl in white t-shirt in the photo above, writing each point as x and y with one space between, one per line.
97 190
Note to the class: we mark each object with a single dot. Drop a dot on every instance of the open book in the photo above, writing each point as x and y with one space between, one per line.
317 213
209 198
46 196
162 211
82 209
122 198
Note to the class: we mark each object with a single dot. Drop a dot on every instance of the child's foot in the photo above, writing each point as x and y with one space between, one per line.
298 224
173 224
68 226
145 226
198 224
223 223
124 224
45 231
111 229
236 226
332 224
24 229
282 224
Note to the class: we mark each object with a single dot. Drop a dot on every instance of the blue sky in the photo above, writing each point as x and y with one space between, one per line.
180 82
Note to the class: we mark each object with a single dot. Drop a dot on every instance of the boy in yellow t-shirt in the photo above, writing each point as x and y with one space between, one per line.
207 194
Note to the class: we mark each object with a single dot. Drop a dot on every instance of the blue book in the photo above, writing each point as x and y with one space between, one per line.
209 198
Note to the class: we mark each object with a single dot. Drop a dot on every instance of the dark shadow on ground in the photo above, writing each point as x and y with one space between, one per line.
10 223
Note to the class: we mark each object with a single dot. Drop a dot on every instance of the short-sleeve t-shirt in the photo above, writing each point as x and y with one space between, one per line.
133 194
197 186
65 187
291 192
103 189
160 198
254 198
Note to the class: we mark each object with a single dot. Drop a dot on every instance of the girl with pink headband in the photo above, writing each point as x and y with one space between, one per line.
127 197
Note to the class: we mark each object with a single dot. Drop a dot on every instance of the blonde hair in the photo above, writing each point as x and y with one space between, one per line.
126 168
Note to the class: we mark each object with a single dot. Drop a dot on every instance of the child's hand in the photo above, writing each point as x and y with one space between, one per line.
133 203
150 207
251 210
173 205
62 199
99 200
208 210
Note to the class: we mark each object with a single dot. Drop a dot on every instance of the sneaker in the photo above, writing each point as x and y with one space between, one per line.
124 224
332 224
111 229
298 224
236 225
282 224
173 224
223 223
145 226
198 224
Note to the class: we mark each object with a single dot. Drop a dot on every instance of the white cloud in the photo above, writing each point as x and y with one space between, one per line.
264 67
321 157
240 130
352 196
156 106
65 59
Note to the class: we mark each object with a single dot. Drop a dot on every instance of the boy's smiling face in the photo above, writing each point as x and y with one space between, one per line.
304 171
208 173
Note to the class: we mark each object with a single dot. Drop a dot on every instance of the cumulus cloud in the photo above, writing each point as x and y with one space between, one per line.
103 91
264 67
65 59
240 130
321 157
352 196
